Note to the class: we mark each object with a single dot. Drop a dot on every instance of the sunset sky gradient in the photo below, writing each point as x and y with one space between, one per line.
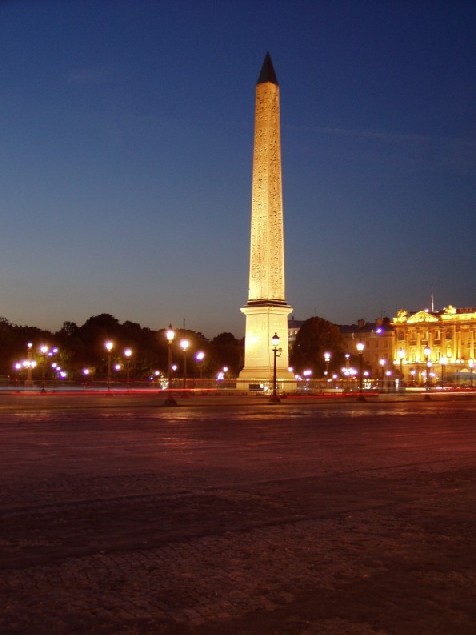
126 132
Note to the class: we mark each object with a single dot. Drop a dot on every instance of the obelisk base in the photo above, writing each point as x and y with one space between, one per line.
263 320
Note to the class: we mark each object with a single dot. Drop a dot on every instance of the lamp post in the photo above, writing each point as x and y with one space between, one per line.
199 357
108 346
471 366
29 365
382 362
443 362
427 353
401 357
275 341
17 366
170 336
307 374
346 371
327 359
360 349
449 356
44 352
184 344
389 379
128 355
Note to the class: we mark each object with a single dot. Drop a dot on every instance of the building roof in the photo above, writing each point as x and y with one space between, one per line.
449 313
294 324
379 326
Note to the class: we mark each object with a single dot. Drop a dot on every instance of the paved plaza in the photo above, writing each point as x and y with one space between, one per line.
235 516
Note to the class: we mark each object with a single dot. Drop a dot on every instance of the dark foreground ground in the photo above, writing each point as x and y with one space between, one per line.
124 517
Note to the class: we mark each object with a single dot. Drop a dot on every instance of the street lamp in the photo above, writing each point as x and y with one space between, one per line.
184 344
275 341
199 357
108 346
44 352
382 364
443 362
389 376
360 349
346 371
17 366
327 359
128 355
29 365
427 352
471 366
170 336
449 355
401 357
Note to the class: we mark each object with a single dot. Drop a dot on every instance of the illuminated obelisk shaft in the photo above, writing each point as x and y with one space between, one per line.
266 311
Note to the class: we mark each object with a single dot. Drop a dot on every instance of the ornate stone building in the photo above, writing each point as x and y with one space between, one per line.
414 343
378 340
441 343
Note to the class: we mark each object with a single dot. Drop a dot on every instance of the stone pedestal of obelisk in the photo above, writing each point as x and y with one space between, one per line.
266 311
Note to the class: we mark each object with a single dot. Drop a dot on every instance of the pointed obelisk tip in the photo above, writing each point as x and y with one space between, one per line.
267 73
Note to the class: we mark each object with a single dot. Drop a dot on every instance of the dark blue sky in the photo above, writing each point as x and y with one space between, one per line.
126 134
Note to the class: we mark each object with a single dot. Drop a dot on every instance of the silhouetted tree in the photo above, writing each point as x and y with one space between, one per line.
73 352
83 347
13 343
315 337
226 350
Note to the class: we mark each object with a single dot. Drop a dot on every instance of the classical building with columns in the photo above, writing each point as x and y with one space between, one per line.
441 343
414 343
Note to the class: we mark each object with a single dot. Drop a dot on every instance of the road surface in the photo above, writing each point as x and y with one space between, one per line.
120 516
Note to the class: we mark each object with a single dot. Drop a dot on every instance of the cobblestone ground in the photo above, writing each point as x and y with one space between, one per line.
315 520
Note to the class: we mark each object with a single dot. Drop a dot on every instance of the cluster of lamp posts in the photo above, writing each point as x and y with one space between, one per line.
347 371
443 360
109 345
184 345
47 353
29 364
360 350
360 346
170 336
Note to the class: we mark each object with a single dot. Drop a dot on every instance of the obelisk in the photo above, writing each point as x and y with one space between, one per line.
266 310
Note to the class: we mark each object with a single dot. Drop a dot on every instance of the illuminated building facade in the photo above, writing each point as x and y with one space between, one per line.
440 343
414 346
378 340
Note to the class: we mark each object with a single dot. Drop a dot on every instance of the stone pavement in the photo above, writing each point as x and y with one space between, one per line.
320 519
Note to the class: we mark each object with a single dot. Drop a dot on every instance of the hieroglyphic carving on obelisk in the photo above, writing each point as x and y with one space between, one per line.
267 241
266 311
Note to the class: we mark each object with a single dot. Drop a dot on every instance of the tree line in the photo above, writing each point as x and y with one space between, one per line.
83 347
